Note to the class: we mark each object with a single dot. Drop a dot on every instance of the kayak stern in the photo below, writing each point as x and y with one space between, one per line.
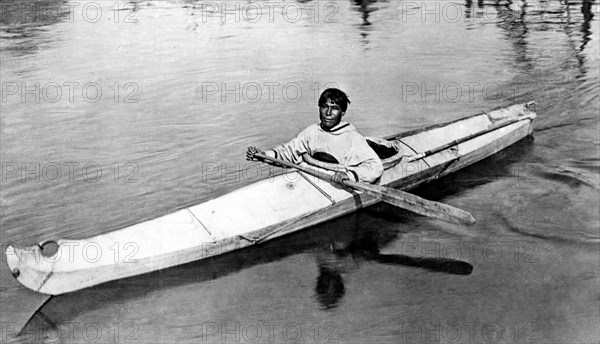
29 266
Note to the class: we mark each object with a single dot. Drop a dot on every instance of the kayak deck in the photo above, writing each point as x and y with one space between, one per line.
260 211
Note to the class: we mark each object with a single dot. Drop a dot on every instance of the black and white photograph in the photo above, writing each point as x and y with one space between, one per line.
300 171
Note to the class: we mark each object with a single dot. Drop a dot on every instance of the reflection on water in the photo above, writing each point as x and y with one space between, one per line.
20 15
365 7
330 284
586 9
517 18
330 287
22 23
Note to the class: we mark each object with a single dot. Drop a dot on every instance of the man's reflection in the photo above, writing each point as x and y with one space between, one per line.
343 257
330 287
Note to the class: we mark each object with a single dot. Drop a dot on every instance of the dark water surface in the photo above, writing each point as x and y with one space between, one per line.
162 97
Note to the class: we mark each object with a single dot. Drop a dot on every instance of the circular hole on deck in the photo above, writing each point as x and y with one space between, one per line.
49 248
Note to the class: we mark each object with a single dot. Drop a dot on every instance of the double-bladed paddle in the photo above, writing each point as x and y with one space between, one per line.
396 197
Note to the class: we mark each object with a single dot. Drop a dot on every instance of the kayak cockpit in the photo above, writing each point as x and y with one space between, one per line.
389 151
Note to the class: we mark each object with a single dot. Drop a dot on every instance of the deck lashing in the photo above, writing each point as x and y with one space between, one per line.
317 187
422 158
407 145
200 222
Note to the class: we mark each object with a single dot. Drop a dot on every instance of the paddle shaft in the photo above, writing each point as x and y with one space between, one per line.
464 139
396 197
316 173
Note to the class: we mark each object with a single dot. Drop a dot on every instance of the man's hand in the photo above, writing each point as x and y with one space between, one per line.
339 176
251 152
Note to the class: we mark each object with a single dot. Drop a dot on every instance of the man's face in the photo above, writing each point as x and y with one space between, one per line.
330 114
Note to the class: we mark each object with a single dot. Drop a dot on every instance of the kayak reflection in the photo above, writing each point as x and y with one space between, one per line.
340 258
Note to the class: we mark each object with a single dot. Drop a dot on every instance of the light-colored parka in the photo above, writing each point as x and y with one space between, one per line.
343 142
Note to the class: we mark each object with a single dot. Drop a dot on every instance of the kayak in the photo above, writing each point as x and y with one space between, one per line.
263 210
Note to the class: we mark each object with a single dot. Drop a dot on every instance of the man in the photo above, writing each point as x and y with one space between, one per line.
332 138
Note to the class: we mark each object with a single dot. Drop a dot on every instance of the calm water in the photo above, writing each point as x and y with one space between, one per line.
115 112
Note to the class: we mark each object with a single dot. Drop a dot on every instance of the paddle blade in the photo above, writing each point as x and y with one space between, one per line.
427 208
416 204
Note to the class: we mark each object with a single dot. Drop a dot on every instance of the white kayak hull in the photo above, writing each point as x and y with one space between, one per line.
258 212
